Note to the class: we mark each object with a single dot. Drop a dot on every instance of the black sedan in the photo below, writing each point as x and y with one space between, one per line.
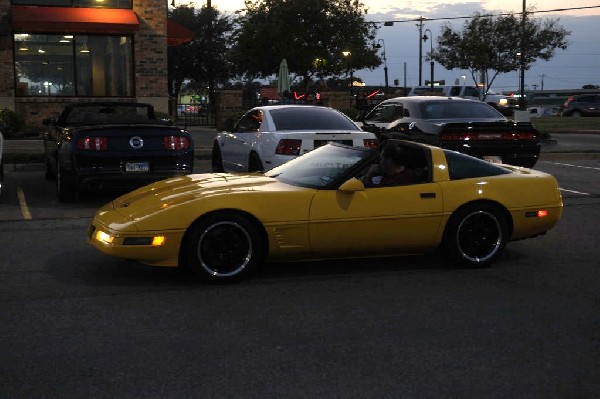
468 126
113 145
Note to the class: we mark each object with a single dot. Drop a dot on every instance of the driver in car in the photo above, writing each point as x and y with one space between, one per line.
391 169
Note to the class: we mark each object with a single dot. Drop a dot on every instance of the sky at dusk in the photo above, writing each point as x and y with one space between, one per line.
571 68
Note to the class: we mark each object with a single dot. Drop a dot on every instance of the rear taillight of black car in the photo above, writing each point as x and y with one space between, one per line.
175 143
92 143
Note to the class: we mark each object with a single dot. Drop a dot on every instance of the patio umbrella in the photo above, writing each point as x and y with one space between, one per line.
283 78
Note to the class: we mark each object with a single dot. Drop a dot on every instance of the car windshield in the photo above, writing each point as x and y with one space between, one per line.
324 168
449 109
101 114
310 118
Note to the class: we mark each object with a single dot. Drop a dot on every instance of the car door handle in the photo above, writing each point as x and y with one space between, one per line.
427 195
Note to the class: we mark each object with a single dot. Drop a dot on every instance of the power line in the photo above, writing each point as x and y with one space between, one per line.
388 23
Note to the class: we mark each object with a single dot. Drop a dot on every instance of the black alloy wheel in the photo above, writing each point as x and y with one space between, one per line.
476 235
223 247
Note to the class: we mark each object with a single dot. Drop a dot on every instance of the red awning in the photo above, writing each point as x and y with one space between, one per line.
178 34
74 20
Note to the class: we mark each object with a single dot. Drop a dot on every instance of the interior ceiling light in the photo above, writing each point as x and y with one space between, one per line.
84 49
23 48
41 51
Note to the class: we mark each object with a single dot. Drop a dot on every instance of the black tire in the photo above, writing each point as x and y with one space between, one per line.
254 163
217 159
1 177
222 248
66 189
49 173
475 235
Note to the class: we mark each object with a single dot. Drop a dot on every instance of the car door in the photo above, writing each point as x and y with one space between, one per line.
381 220
235 147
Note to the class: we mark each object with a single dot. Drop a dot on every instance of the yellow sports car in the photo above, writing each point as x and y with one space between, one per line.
222 226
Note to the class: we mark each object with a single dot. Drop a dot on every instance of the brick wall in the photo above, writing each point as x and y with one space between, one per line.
150 71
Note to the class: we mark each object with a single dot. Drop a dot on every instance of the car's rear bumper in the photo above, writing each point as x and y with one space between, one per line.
96 172
525 154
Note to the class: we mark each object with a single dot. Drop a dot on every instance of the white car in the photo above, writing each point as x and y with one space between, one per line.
269 136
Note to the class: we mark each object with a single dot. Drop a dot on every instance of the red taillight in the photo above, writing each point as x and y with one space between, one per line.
371 143
176 143
542 213
288 147
92 143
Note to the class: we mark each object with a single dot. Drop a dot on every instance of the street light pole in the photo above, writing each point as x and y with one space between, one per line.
385 68
347 54
430 53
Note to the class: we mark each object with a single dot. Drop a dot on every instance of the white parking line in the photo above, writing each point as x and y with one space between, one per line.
574 166
574 192
23 204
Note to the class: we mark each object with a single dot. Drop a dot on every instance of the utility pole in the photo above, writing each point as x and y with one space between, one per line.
542 76
420 25
522 104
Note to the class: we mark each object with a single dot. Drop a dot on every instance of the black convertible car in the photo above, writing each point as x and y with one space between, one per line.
113 145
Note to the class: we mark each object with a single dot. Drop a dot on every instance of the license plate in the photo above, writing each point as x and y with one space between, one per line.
137 166
493 158
319 143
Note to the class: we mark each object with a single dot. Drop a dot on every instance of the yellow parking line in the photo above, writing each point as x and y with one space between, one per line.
23 203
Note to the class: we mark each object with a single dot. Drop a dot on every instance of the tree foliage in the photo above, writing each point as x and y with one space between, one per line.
490 45
310 34
204 60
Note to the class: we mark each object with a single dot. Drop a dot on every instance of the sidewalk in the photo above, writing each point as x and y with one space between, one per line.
562 146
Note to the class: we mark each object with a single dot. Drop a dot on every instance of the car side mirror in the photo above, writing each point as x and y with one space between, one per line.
352 185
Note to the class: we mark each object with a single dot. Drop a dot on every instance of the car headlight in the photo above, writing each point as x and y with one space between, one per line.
103 237
503 102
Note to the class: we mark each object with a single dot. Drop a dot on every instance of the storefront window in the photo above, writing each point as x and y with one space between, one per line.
77 3
73 65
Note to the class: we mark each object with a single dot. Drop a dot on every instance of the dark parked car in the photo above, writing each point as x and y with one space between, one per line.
1 163
468 126
113 145
582 105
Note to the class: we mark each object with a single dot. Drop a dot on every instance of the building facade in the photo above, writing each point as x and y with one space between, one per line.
56 52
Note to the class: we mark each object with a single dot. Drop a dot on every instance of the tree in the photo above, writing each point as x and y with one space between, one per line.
310 34
489 43
204 60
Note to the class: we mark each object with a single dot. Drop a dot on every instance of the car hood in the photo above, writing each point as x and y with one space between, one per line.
174 201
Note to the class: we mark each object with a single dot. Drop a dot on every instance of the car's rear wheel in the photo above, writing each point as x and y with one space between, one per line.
254 163
217 159
475 235
49 173
223 247
66 189
1 177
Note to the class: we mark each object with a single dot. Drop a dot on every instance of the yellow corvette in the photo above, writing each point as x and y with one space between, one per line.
222 226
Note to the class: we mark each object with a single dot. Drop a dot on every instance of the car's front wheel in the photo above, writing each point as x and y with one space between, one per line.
223 247
217 159
475 235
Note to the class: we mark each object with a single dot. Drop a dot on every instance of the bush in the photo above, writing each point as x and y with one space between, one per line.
12 124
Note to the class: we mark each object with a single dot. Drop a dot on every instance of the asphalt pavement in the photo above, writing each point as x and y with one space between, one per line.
561 146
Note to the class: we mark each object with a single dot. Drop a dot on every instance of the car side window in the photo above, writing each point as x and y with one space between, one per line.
471 92
250 122
455 91
386 112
